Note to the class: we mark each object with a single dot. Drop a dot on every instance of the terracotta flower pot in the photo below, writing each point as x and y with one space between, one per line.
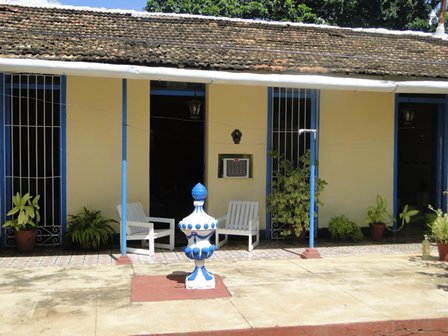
377 231
25 240
298 238
443 251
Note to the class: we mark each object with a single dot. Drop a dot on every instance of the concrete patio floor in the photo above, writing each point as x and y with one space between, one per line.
93 298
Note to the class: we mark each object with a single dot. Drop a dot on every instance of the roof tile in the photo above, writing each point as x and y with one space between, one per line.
211 43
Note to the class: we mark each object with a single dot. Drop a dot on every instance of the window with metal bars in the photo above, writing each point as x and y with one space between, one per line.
32 149
289 111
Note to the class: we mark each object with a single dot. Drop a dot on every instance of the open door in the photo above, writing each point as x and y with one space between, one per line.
177 148
420 157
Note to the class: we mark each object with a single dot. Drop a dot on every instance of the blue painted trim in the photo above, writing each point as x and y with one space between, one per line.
8 181
204 142
444 187
189 93
316 99
2 158
124 167
395 162
183 93
419 100
312 168
442 154
63 97
312 205
268 161
439 156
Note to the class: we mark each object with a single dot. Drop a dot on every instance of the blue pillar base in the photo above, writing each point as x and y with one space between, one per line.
310 253
124 260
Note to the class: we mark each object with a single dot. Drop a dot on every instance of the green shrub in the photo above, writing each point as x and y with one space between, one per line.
89 229
341 228
289 201
439 227
430 218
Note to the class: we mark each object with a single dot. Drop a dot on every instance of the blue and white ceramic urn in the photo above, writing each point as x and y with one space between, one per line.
199 228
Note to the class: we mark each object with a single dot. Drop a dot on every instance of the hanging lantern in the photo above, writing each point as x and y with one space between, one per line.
408 116
194 107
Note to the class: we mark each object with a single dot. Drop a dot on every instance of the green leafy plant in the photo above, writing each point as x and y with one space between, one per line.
439 227
380 215
341 228
289 202
430 217
25 212
89 229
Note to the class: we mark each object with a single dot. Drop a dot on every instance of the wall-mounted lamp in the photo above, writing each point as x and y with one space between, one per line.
408 116
236 136
194 106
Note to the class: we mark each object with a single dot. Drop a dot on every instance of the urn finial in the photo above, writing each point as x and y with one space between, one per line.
199 192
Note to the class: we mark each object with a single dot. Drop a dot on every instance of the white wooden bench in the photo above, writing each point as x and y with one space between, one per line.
242 219
141 227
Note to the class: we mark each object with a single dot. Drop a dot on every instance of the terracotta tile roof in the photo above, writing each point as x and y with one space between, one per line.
216 44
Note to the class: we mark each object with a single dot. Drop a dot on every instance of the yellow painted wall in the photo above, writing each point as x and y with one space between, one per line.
356 146
356 152
94 143
245 108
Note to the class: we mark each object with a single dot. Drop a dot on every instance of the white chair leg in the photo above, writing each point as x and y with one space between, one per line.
250 247
151 243
217 240
171 241
223 242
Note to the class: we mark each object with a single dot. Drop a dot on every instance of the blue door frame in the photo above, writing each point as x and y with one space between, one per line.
189 93
442 146
314 95
5 145
184 93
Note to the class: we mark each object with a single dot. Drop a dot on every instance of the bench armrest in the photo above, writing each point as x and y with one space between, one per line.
254 223
169 221
221 219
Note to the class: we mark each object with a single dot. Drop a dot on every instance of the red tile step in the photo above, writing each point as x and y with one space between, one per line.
424 327
172 287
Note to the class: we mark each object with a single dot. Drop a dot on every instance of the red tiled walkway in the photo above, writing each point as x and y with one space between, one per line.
430 327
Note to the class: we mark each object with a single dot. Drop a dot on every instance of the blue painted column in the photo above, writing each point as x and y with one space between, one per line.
269 161
2 158
312 174
123 168
445 153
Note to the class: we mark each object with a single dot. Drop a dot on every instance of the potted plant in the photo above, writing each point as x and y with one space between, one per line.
25 217
90 229
341 228
378 217
289 201
439 233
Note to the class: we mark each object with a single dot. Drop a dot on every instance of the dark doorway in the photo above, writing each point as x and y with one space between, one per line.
176 152
420 140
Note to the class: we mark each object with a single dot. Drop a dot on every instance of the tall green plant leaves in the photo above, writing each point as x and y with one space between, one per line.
25 212
289 201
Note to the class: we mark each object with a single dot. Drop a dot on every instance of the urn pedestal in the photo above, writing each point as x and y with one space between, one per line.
199 227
